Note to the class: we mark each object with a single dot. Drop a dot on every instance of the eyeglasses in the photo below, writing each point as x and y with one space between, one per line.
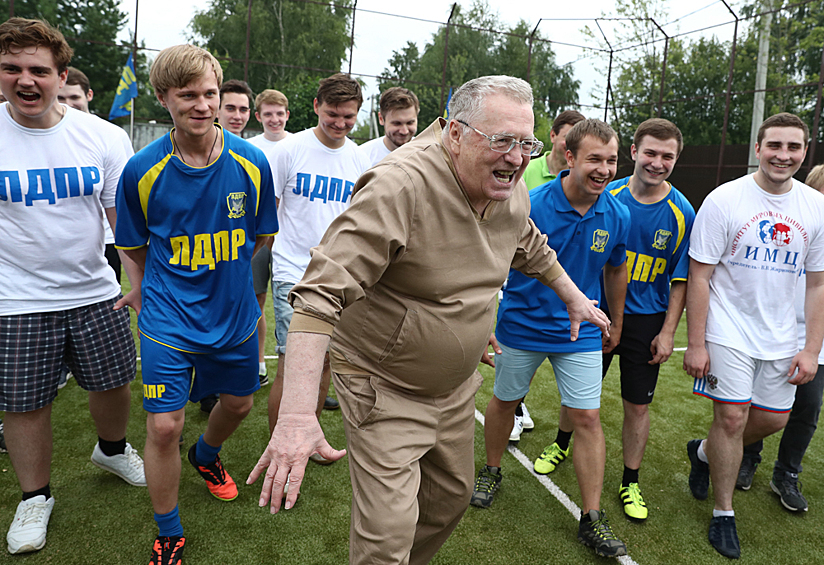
505 143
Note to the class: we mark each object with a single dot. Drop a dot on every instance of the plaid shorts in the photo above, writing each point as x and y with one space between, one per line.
94 341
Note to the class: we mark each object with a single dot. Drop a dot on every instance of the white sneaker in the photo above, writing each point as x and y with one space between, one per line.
28 530
517 429
128 466
529 425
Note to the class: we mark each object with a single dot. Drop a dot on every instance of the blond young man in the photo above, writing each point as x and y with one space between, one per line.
206 201
398 114
60 169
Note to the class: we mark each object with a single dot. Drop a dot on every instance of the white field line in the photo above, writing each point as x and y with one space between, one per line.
554 490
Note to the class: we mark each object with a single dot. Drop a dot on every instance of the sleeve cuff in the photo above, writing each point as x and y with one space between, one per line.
303 321
553 273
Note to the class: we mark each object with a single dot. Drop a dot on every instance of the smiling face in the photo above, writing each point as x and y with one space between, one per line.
335 120
487 175
591 168
234 112
193 107
654 160
72 95
29 80
780 155
399 125
273 118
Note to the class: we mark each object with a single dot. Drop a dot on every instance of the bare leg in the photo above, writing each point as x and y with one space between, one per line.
499 419
229 412
564 421
29 441
110 412
761 424
635 433
589 456
261 327
161 458
724 448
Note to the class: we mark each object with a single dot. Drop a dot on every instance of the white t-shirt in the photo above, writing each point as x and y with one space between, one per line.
758 242
375 150
314 185
800 293
54 185
265 145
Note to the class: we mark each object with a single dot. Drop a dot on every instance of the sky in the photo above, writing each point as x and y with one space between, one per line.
162 23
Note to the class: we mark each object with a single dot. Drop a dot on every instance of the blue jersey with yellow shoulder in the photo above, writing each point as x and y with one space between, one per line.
531 316
657 247
200 226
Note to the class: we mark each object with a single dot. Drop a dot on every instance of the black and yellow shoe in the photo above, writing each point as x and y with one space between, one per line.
594 531
634 505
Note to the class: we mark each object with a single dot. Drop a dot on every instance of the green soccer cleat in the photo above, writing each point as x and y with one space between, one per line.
634 505
550 459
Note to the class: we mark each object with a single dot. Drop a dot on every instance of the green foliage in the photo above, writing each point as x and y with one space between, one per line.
697 72
472 53
284 36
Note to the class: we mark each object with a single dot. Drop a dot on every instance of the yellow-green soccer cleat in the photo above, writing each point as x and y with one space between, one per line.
634 505
550 459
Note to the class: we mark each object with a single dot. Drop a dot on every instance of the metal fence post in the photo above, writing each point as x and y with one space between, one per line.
729 96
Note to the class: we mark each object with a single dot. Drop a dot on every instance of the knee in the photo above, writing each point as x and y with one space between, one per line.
238 407
732 422
636 411
164 429
585 420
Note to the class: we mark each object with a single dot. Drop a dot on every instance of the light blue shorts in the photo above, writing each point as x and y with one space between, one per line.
283 313
577 374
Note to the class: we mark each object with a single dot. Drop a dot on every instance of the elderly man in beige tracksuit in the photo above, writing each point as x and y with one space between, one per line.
402 290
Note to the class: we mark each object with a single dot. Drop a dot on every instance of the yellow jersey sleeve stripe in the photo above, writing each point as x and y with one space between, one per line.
131 248
252 171
145 184
615 191
682 224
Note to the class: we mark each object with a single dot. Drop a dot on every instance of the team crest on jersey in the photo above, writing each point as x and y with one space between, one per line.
712 381
775 232
599 240
662 238
237 204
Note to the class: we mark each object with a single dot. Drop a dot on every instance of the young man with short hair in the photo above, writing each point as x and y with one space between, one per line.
315 171
545 168
235 106
206 202
588 228
657 266
398 114
751 238
59 170
77 92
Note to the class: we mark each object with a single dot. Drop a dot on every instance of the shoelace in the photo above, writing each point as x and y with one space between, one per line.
484 483
793 484
602 529
33 513
133 457
634 494
552 454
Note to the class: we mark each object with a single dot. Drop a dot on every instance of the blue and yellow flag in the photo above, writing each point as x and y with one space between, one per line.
126 91
446 108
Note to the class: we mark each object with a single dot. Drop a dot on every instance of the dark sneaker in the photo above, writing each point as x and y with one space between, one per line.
594 531
220 484
168 550
207 404
724 537
264 379
699 472
786 486
330 404
486 485
746 473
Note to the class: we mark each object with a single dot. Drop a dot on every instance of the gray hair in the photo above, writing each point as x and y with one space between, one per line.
467 102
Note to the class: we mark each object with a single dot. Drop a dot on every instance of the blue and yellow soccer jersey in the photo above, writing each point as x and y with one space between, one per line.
657 247
531 316
200 225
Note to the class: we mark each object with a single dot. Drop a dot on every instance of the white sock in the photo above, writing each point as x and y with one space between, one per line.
717 513
702 455
262 368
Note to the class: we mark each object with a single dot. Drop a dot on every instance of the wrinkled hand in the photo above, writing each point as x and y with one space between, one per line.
486 358
586 310
133 300
697 362
807 364
661 348
296 437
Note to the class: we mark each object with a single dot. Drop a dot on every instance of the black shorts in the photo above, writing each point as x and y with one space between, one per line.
262 270
113 257
94 341
638 377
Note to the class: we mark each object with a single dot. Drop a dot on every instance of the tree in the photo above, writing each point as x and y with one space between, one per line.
293 44
473 53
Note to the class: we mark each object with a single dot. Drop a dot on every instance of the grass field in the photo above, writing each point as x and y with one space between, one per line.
98 519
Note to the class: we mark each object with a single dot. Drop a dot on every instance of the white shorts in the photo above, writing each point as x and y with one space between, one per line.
736 378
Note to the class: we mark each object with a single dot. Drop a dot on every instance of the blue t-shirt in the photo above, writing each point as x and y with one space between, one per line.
531 316
659 239
200 225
